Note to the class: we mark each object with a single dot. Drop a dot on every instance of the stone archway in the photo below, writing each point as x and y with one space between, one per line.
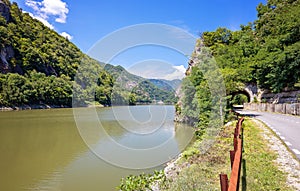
252 92
243 92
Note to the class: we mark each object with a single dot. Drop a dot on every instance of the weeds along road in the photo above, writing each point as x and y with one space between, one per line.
287 127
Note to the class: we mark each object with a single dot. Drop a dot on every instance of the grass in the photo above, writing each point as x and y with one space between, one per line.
201 171
259 171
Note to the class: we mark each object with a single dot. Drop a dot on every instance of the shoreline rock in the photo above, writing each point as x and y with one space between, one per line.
31 107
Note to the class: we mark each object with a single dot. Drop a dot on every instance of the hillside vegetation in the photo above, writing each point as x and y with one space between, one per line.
137 89
39 66
265 53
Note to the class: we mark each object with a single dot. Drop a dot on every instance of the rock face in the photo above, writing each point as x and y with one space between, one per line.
6 51
4 11
6 54
193 60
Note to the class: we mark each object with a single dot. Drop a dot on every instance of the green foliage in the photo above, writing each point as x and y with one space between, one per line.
266 52
191 151
13 89
34 88
255 100
239 99
141 182
44 65
39 48
203 95
177 109
189 104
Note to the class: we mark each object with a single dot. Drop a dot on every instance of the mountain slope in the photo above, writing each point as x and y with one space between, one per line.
38 65
168 85
143 90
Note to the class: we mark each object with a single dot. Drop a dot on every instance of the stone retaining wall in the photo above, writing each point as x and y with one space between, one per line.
285 108
283 97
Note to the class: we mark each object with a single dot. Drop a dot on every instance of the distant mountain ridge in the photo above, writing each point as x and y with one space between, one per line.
145 90
168 85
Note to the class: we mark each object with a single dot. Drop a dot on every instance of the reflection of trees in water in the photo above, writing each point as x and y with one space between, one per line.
114 129
184 134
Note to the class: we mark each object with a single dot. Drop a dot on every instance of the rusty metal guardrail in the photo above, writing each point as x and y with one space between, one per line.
235 159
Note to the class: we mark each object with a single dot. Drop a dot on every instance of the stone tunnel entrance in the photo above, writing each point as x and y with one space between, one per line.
239 98
250 93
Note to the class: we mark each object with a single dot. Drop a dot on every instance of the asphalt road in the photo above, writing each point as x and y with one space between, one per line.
287 127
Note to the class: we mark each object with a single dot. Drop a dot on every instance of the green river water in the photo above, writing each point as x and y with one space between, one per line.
45 150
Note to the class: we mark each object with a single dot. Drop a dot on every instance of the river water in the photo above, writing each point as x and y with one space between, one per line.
46 150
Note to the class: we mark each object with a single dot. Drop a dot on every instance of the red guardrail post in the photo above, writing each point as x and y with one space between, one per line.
236 160
232 153
235 173
224 182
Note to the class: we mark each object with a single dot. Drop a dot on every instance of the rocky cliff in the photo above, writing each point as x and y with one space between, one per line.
6 51
4 11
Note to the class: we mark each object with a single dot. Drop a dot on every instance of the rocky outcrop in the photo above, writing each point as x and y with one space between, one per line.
193 60
30 107
6 51
6 54
4 11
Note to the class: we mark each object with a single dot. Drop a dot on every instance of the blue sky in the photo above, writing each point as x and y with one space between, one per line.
86 22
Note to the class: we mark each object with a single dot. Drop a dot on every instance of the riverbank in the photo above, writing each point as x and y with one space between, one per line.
45 106
30 107
40 106
264 159
267 164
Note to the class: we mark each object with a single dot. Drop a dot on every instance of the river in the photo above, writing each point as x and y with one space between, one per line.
50 150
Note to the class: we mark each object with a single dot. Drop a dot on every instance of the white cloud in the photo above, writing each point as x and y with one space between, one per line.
181 68
157 69
33 4
178 73
66 35
56 8
44 21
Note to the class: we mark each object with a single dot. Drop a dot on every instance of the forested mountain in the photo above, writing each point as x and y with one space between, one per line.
168 85
265 53
136 88
38 66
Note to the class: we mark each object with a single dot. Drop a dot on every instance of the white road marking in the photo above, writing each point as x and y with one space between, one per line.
296 151
288 143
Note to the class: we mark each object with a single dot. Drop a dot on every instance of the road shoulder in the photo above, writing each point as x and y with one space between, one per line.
286 160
